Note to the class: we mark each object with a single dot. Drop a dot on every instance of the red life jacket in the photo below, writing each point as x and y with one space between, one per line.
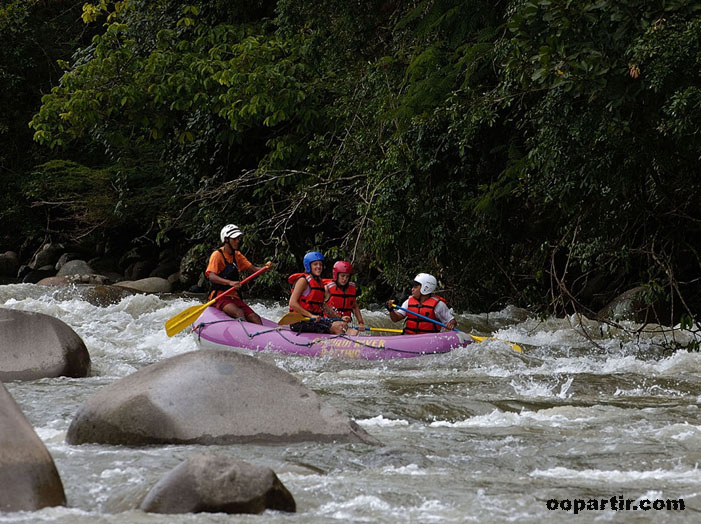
427 308
342 300
314 300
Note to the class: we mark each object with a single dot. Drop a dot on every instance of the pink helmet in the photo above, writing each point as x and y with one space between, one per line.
342 267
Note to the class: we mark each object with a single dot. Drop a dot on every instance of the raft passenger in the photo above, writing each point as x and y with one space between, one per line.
424 302
307 299
341 294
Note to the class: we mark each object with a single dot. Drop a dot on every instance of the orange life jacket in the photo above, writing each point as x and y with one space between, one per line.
427 308
314 300
342 300
230 272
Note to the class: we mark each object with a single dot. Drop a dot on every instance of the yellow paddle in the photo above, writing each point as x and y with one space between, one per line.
390 330
180 321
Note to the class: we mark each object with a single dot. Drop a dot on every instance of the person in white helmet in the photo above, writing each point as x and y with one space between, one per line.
223 271
425 302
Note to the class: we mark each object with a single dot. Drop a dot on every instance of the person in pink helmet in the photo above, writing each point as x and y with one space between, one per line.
341 294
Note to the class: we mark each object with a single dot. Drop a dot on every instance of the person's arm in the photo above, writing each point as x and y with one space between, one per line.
445 315
216 279
328 308
215 266
394 315
358 316
300 286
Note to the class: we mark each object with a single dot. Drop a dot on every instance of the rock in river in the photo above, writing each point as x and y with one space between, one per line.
28 477
209 483
34 345
210 397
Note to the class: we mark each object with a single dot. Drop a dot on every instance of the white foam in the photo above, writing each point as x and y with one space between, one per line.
533 388
380 421
558 416
615 475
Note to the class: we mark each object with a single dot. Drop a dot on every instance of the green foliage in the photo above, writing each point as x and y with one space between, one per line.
542 152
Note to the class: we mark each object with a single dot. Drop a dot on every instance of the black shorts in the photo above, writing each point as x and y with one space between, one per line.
323 325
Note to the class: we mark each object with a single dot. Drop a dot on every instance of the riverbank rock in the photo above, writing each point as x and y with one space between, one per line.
75 267
47 255
104 296
209 483
28 477
9 264
34 345
54 281
35 275
631 305
147 285
210 397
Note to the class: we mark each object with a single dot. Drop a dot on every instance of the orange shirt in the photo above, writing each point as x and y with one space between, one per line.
217 264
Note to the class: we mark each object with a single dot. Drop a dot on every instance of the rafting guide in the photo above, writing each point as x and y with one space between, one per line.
223 271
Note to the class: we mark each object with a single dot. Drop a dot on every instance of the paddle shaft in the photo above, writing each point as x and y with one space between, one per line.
183 319
390 330
515 347
425 317
233 288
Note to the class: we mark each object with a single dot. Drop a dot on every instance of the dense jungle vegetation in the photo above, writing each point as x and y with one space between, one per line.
544 153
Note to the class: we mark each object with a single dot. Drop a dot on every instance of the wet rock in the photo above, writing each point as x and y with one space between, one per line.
104 296
139 270
35 275
209 483
75 267
148 285
9 264
192 265
105 264
64 258
29 480
630 305
165 268
48 255
34 345
54 281
210 397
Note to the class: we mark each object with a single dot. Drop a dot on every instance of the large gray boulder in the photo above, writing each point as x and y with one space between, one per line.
214 484
210 397
34 345
28 477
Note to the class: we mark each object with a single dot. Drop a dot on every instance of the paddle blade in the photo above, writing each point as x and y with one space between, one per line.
515 347
291 318
185 318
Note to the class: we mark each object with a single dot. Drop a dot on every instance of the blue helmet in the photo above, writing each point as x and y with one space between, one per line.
310 257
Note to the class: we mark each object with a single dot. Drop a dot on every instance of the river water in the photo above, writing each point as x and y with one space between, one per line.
482 434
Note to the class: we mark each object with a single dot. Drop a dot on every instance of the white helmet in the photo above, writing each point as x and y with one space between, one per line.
230 231
428 283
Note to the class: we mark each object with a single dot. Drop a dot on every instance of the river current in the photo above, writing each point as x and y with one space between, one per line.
483 434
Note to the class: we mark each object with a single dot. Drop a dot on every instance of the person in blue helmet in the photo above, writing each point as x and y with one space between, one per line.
307 298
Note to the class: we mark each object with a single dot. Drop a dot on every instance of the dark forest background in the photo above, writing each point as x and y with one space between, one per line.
543 153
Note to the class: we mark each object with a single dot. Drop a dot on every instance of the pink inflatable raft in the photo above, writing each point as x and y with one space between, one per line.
214 329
